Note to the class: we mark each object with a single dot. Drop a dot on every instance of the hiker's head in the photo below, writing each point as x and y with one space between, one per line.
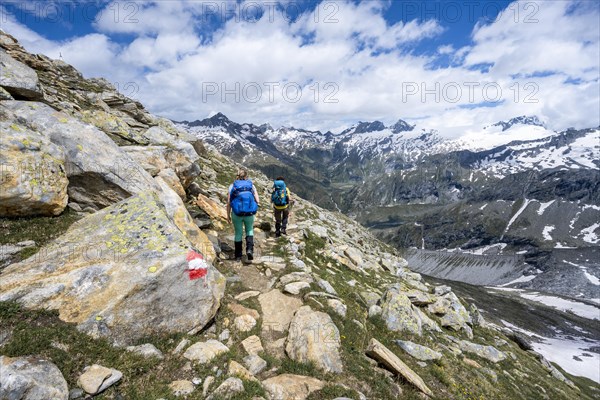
280 178
242 174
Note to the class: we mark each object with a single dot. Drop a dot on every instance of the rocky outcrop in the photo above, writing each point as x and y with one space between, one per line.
126 280
18 79
99 172
313 337
399 314
31 378
34 179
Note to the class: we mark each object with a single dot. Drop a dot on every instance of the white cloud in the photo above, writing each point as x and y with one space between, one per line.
172 57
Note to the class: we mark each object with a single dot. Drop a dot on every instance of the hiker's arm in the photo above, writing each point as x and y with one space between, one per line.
255 196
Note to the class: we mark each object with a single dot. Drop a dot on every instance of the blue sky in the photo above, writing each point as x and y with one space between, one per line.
327 64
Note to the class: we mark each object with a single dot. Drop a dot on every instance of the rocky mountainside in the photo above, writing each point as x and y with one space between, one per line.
117 281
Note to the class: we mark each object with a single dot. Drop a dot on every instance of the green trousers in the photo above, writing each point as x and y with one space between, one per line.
240 223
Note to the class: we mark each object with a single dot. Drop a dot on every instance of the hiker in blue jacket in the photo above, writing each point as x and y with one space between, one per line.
281 200
242 205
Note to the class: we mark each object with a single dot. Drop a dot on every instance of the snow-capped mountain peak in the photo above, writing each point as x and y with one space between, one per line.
522 120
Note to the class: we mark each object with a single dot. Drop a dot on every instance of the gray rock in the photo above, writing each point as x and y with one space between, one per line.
206 385
147 350
289 386
337 306
76 393
227 389
223 336
203 352
418 351
295 287
314 337
296 277
181 346
399 314
19 79
441 290
181 388
370 298
374 310
326 286
277 310
488 352
255 364
31 378
9 251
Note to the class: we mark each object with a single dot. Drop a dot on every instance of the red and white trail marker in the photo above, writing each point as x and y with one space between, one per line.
197 266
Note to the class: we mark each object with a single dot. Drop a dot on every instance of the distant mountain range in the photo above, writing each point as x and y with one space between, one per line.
511 187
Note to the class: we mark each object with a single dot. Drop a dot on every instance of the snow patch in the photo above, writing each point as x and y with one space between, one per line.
543 207
547 231
589 235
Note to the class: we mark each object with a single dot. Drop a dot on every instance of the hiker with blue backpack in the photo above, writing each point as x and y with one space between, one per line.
242 205
281 200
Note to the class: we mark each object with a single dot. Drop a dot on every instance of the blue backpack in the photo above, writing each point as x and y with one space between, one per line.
242 199
279 196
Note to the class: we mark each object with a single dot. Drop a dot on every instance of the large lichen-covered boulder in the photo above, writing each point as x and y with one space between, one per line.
18 79
121 273
31 378
99 172
313 337
454 315
33 180
399 314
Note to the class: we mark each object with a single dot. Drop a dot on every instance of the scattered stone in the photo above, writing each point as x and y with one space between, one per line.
419 298
147 350
488 352
244 323
237 369
181 346
326 286
289 386
521 340
203 352
207 383
74 394
255 364
355 256
182 388
370 298
196 381
314 337
374 310
252 345
223 336
38 378
471 363
296 277
227 389
96 378
418 351
276 348
277 310
379 352
492 374
441 290
295 287
247 295
240 310
337 306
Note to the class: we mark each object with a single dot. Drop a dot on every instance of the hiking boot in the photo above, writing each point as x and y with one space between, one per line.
277 234
238 251
250 247
283 231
